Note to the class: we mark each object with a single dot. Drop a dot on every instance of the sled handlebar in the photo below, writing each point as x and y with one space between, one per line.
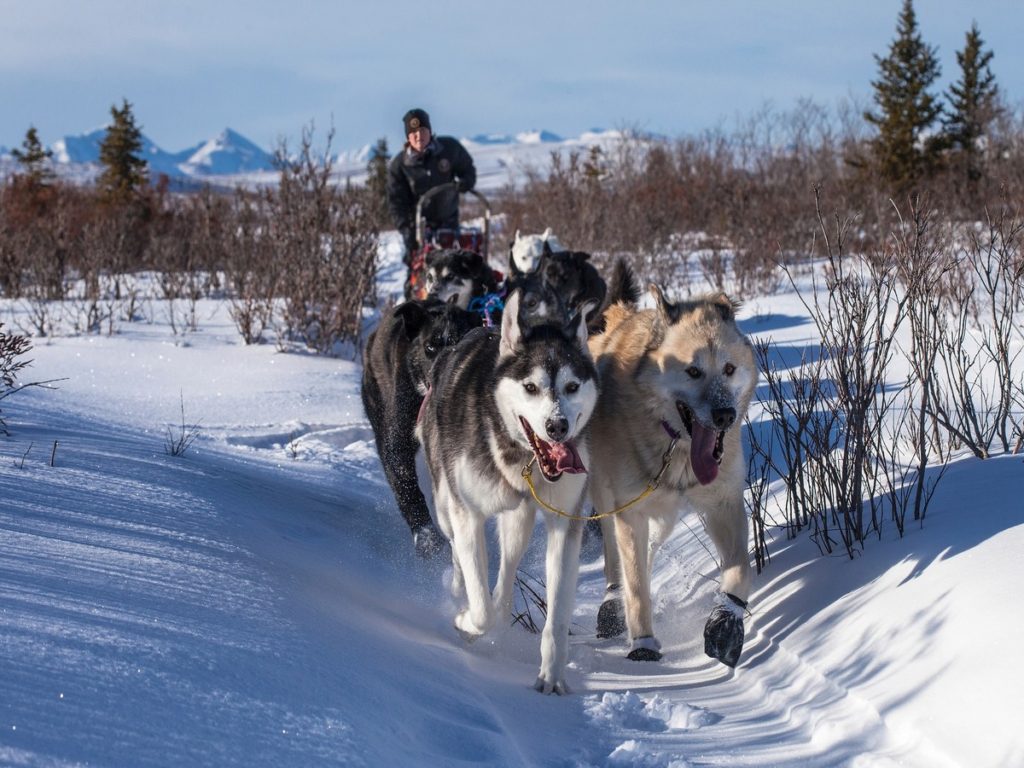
448 186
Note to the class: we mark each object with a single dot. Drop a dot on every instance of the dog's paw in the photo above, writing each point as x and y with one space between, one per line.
428 541
466 627
723 633
645 649
611 616
548 686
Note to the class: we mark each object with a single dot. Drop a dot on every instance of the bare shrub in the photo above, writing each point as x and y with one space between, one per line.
182 435
13 349
925 265
830 413
327 240
252 272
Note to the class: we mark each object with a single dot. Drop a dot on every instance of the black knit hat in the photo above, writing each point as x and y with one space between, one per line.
415 119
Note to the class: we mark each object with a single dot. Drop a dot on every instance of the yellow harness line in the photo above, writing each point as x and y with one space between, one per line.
652 486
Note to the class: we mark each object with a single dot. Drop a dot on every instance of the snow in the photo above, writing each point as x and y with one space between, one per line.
255 601
227 154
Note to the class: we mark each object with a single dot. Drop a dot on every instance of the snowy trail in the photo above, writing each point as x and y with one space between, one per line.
256 602
209 606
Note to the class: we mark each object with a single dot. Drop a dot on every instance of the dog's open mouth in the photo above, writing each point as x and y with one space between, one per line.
706 445
553 458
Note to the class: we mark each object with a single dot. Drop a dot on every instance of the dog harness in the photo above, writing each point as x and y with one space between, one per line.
486 306
652 486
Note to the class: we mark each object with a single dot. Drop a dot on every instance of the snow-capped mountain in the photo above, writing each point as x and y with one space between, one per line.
231 159
85 150
229 153
525 137
226 154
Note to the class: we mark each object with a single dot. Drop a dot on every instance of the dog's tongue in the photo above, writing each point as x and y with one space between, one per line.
702 453
567 459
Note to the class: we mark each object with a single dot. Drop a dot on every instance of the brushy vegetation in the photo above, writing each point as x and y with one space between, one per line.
13 348
296 262
900 228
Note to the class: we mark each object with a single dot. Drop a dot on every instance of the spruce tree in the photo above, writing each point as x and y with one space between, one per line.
377 182
124 170
34 158
903 152
973 101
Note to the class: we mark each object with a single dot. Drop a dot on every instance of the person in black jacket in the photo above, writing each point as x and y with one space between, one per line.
426 161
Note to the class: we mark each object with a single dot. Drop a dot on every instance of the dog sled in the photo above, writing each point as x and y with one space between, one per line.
429 240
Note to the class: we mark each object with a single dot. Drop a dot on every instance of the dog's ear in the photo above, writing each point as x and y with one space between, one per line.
665 314
471 261
661 304
726 307
546 235
412 315
579 324
511 333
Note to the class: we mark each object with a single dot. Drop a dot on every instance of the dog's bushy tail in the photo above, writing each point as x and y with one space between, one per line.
622 287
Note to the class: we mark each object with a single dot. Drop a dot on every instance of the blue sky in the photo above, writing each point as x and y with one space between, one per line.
268 68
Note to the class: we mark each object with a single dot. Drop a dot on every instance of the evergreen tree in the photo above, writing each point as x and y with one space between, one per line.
973 101
124 170
903 152
377 182
34 158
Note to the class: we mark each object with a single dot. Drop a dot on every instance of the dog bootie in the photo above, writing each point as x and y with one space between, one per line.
611 616
428 541
723 634
645 649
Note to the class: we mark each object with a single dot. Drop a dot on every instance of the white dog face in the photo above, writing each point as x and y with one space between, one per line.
527 249
546 392
704 373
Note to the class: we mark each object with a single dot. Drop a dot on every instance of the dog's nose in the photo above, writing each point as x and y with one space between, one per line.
723 417
557 428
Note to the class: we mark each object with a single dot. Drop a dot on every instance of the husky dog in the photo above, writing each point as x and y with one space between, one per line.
526 250
455 272
680 376
560 283
396 363
501 402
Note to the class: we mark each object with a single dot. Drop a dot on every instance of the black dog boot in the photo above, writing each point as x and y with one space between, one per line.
428 541
723 634
645 649
611 616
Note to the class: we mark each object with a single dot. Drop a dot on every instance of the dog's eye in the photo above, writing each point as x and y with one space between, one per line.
572 387
694 372
531 388
430 349
729 369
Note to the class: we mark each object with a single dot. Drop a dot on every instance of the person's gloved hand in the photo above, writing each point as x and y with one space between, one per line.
464 186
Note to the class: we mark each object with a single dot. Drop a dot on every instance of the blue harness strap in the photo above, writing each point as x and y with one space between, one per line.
486 306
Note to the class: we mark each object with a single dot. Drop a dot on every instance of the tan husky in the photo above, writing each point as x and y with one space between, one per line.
680 377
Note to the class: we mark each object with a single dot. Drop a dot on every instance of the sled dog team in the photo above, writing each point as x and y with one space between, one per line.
564 395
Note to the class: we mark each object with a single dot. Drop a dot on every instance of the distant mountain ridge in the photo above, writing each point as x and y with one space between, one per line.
230 159
226 154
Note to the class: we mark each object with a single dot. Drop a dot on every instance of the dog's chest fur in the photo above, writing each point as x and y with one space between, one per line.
466 412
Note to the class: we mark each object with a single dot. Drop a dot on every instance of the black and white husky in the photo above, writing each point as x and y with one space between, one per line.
501 401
